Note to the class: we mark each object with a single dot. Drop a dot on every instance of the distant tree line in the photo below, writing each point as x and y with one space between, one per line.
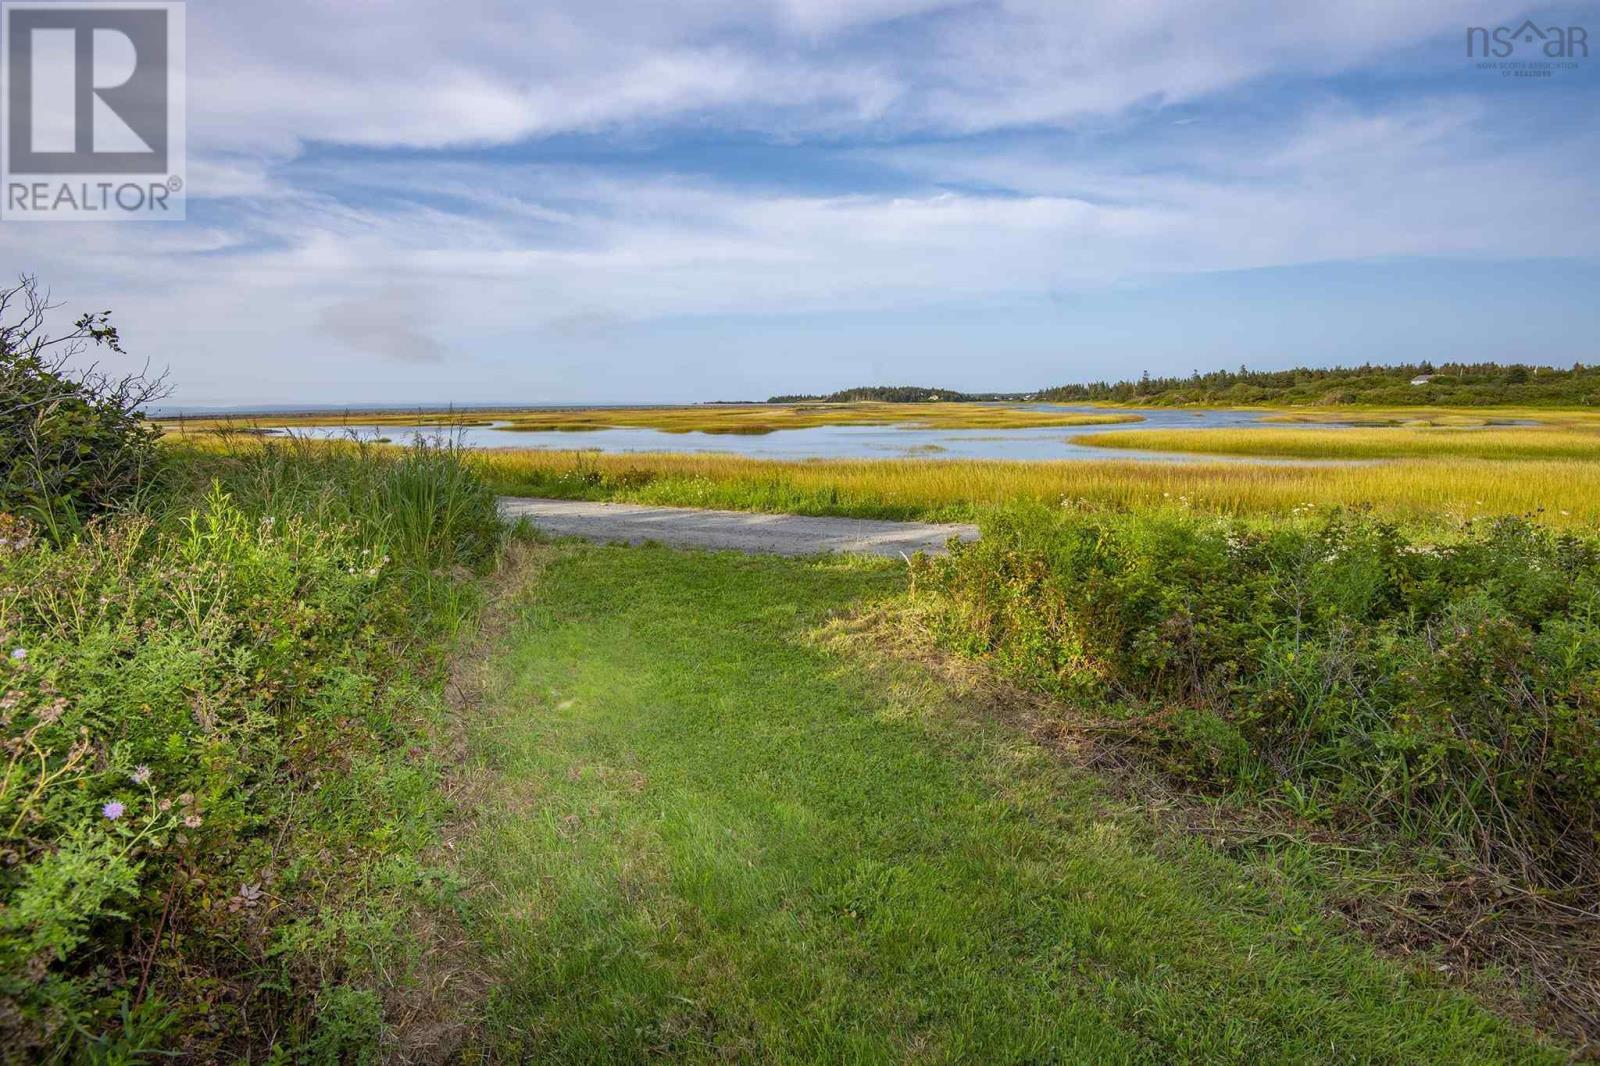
1454 384
893 394
1408 384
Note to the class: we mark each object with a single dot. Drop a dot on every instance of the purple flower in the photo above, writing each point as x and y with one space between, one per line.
19 654
113 810
140 775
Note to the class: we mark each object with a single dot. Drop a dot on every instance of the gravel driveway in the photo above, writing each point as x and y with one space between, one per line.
688 527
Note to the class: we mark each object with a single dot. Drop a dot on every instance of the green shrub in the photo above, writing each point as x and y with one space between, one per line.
73 444
422 505
1448 689
209 716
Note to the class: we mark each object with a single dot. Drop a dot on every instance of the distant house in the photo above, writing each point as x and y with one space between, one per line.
1422 379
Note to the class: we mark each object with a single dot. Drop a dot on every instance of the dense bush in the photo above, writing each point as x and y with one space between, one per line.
1449 690
73 442
207 714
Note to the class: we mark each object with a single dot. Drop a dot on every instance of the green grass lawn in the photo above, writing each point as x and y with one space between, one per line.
711 836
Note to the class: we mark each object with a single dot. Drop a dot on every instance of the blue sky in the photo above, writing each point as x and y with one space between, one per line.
402 201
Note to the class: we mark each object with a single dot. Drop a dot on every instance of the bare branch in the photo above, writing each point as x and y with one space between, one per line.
73 439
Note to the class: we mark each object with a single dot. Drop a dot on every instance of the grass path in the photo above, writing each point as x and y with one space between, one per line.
712 837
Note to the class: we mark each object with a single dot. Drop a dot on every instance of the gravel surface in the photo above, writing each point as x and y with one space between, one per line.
688 527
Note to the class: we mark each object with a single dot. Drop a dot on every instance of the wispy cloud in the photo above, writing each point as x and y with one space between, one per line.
430 75
488 187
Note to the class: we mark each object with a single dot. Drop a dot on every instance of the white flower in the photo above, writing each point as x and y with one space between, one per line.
19 654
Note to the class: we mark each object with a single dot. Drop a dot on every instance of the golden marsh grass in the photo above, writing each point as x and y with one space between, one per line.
1428 472
1563 492
1521 442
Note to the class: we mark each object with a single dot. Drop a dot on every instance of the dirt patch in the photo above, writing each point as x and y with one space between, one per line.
434 1013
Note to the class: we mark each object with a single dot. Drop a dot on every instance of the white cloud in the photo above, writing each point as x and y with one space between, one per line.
651 246
424 74
302 270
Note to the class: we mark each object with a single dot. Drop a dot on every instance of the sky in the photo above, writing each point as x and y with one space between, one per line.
407 201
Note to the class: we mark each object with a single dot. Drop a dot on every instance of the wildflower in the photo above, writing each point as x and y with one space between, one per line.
140 775
164 805
191 821
19 654
113 810
186 799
